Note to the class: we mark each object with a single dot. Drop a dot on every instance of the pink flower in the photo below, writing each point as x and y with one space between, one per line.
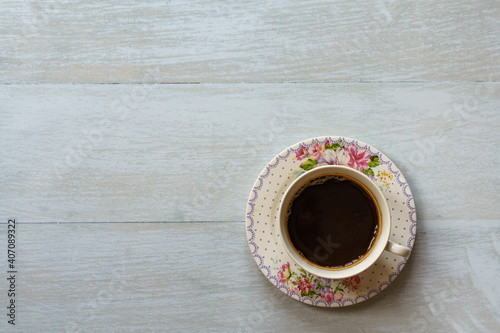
302 153
316 151
284 273
335 157
294 290
352 282
305 286
331 296
359 158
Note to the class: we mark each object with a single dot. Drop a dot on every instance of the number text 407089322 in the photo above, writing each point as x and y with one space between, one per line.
11 271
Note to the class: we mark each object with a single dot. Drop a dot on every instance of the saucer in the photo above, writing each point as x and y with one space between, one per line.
263 231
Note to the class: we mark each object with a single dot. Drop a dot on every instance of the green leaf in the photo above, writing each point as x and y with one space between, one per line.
374 158
303 271
320 285
368 172
309 164
334 146
373 164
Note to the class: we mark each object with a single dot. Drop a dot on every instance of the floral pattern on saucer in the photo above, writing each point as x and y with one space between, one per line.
337 153
262 227
306 284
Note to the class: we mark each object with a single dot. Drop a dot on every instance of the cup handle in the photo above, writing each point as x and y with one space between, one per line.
397 249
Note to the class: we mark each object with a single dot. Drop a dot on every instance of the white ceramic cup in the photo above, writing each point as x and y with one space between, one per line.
380 243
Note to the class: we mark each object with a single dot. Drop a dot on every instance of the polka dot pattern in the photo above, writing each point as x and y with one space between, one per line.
263 234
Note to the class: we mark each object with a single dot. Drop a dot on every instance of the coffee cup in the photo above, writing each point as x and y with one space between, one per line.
335 222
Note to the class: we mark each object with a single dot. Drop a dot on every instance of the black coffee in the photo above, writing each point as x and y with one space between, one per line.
332 221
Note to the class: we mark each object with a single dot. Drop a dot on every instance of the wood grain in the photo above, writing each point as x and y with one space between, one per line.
67 41
117 277
89 153
80 157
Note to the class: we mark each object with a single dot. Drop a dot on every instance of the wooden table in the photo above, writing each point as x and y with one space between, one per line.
132 132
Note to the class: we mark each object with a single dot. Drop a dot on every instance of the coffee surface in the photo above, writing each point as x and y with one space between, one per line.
332 223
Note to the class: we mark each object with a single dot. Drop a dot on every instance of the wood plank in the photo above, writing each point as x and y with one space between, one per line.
192 152
256 41
201 277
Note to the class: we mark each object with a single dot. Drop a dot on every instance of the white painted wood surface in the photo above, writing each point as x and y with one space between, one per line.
173 277
419 81
192 152
248 41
